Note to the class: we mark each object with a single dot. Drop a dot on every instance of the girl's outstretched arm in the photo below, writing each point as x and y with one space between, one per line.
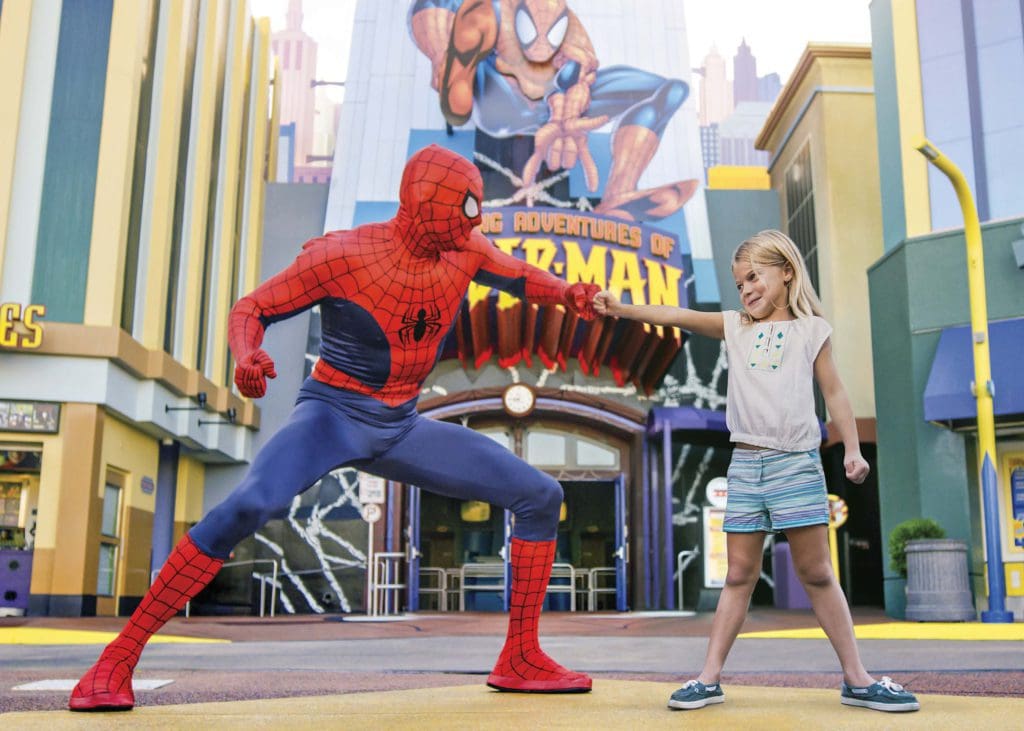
702 323
839 409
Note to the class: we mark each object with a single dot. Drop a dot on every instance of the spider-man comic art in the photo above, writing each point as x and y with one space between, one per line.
389 293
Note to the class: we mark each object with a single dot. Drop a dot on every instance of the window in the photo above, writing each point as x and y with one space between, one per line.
10 504
105 575
545 448
501 437
110 536
800 212
548 448
592 454
111 508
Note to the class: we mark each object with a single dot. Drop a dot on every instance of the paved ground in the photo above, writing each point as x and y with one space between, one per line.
428 672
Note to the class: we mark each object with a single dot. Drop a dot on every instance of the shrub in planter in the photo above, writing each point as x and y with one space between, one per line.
910 530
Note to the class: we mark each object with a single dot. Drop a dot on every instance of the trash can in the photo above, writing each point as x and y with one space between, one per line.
938 587
789 592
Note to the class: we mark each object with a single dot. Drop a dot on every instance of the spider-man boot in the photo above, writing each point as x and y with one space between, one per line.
522 665
107 686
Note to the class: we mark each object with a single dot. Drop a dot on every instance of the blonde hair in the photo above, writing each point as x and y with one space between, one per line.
774 249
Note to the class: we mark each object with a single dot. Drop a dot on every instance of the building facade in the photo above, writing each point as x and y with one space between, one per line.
954 73
131 205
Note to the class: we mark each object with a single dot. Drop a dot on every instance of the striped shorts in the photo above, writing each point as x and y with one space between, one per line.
771 490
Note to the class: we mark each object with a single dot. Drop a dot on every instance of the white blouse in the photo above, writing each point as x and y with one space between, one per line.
770 402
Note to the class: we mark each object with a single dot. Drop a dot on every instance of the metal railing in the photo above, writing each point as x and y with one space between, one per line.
263 578
440 587
683 560
491 577
385 584
594 585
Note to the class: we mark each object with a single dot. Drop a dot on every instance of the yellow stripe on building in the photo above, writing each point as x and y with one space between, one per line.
910 106
14 34
52 636
162 170
210 50
907 631
129 34
237 74
249 246
275 124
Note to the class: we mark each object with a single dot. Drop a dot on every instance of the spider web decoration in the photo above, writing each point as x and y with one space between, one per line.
321 533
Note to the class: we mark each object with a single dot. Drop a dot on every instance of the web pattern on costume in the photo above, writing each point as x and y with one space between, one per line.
184 575
522 656
394 288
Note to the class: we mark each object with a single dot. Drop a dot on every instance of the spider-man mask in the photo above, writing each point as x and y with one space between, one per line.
440 200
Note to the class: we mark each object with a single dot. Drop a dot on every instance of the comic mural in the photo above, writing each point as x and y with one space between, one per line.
527 67
591 171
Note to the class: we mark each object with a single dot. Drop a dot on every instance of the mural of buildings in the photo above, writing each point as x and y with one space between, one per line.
733 110
716 91
296 53
744 76
736 134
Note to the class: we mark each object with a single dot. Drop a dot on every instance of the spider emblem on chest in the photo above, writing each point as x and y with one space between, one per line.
418 322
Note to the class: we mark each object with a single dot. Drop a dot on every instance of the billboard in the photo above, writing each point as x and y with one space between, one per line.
581 120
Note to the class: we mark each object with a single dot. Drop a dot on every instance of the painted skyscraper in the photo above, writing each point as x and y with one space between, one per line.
715 89
296 53
744 75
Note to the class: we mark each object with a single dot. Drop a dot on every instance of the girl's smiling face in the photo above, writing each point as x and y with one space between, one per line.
764 290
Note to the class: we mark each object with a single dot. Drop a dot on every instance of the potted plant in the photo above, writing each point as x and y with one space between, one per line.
938 588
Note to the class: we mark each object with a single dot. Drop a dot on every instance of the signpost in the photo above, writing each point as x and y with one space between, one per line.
372 493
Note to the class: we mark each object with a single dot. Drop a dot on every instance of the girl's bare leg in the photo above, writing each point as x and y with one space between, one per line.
809 547
744 551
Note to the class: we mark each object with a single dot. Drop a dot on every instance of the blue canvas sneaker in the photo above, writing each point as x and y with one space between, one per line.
694 694
885 695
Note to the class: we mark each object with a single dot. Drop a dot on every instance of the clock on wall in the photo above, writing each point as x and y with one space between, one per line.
518 400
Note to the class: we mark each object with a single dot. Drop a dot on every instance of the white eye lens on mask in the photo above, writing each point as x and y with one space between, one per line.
470 207
525 28
557 33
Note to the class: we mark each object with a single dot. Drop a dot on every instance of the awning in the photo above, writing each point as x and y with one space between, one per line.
948 397
694 425
685 418
690 424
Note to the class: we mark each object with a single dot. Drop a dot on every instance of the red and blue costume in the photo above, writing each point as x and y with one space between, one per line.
388 295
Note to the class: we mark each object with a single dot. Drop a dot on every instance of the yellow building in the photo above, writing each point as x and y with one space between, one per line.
133 149
824 165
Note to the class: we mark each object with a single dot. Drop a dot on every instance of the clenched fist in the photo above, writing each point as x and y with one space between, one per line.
579 298
605 303
252 372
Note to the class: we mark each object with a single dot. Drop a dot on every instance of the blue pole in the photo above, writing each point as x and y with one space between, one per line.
993 551
667 543
163 511
645 509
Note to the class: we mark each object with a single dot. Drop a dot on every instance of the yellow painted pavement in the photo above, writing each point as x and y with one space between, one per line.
51 636
614 704
907 631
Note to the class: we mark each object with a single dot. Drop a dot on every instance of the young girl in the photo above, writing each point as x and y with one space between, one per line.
776 347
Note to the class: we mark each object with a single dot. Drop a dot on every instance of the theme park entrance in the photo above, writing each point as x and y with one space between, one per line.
458 550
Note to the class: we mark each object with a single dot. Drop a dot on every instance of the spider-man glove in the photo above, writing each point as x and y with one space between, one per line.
252 372
579 298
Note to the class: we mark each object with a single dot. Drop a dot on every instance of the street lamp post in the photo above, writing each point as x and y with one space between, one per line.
983 388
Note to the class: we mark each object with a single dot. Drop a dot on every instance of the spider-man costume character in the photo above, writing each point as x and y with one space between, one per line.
388 294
